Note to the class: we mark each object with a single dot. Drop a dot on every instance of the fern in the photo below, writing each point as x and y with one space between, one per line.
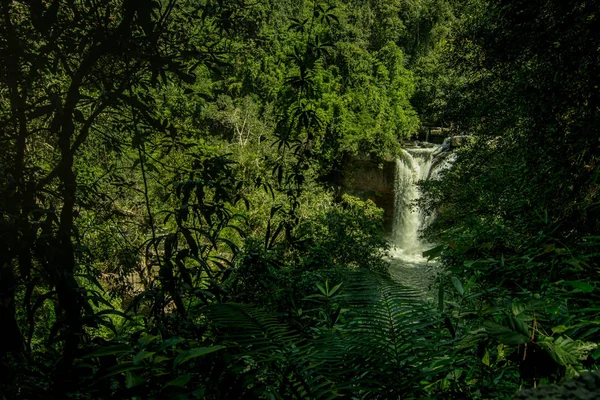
271 350
380 350
388 337
251 327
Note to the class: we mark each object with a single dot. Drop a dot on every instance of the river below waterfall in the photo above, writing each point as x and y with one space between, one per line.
407 264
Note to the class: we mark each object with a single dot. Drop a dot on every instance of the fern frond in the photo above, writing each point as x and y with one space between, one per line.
278 354
251 327
390 339
382 349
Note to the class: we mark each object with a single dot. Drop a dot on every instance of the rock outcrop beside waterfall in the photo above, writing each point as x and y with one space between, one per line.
377 181
366 179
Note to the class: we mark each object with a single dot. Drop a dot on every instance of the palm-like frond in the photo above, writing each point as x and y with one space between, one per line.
380 351
272 350
251 328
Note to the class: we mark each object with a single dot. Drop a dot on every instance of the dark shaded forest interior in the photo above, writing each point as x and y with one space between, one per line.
176 220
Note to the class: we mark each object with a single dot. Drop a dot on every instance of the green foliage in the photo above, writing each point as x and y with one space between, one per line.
516 214
149 367
167 230
330 241
348 232
354 340
518 334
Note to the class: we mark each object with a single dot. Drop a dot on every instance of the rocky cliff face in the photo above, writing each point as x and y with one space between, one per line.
374 181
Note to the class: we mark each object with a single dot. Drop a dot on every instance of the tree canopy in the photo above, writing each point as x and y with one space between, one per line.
172 223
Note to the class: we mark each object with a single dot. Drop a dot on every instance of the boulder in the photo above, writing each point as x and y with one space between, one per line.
585 386
460 141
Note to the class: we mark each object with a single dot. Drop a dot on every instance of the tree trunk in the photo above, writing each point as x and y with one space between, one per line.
68 292
12 340
11 247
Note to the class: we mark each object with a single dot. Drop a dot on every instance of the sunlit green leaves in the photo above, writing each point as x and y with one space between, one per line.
566 351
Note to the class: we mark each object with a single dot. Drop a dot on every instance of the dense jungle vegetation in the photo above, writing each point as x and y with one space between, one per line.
172 224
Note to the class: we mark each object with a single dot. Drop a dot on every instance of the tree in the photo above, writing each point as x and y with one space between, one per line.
529 98
66 67
518 211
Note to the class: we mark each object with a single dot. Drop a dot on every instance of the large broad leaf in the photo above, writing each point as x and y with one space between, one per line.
517 307
518 325
585 324
194 353
146 340
110 350
486 358
458 286
179 381
503 334
169 343
120 368
583 286
434 252
132 380
142 355
566 351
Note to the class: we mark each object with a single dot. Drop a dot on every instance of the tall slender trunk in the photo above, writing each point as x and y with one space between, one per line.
12 340
12 248
69 296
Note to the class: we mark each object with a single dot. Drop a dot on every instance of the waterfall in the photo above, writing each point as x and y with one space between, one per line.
414 165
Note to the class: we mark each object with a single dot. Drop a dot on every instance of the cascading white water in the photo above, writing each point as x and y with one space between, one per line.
413 165
406 263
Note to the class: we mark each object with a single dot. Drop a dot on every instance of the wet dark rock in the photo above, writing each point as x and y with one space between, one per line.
374 181
585 386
